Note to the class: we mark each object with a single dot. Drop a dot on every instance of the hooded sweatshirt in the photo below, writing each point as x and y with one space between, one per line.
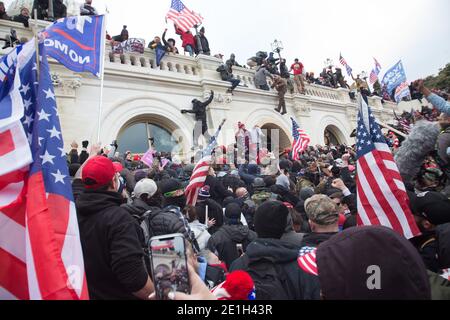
112 251
225 241
371 263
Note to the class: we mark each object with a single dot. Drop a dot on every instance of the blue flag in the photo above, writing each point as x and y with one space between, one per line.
160 51
77 42
394 77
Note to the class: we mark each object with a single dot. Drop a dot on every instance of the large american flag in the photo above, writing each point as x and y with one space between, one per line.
40 249
200 172
345 64
381 194
183 18
301 140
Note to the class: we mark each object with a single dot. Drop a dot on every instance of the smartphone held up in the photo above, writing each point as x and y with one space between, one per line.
169 265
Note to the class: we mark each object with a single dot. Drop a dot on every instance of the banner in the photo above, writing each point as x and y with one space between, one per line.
147 158
394 77
77 42
402 91
130 45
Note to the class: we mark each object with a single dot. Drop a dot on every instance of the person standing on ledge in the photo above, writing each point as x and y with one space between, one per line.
199 110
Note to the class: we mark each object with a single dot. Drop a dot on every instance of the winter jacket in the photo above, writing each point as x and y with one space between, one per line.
217 189
313 239
112 251
261 76
201 234
225 241
187 38
215 211
205 45
303 286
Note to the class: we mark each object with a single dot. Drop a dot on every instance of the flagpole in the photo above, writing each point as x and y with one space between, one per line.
36 43
102 81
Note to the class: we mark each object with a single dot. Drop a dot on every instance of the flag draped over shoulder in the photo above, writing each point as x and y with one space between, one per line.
183 18
301 140
381 194
40 249
77 42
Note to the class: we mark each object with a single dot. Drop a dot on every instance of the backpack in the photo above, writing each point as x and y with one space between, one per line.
271 280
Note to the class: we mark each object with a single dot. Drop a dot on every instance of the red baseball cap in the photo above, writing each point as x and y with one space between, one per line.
98 172
118 166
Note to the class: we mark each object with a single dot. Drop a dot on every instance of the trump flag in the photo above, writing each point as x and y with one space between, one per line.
77 42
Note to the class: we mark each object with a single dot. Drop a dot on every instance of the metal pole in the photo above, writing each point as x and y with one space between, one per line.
50 14
102 82
36 42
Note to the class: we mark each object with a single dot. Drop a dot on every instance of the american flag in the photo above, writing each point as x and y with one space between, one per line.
182 16
200 172
301 140
307 260
40 249
381 194
375 72
373 76
344 63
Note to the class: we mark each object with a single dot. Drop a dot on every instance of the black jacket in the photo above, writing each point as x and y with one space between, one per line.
314 239
225 241
215 211
304 286
217 189
22 19
205 44
112 251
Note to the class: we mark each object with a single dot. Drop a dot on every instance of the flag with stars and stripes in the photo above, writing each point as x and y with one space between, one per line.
301 140
183 18
381 194
375 72
345 64
40 248
307 260
200 172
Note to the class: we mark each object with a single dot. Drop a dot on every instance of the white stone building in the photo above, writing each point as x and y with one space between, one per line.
142 100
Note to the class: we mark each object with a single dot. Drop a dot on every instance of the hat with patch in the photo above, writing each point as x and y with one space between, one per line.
433 206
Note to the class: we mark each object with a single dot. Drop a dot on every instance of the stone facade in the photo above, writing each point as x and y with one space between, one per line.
135 89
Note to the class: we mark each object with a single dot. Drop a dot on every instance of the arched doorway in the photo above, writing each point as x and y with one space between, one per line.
276 138
141 133
333 136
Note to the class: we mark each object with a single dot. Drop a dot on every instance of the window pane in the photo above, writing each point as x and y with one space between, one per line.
163 138
134 139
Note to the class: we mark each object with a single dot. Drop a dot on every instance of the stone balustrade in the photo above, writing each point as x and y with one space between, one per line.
201 67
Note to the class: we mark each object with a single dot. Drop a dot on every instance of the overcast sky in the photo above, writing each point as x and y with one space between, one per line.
416 31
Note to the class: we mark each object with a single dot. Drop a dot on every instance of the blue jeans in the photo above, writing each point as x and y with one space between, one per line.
234 83
189 49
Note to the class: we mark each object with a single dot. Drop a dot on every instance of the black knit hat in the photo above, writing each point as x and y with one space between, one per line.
233 213
85 144
271 219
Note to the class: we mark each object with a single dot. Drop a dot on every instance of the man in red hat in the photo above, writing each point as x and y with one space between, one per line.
112 245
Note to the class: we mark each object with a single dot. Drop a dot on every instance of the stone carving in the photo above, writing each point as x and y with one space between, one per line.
66 86
219 98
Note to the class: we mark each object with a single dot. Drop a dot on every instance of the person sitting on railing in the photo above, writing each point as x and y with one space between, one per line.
226 75
261 78
3 15
23 17
188 40
170 43
154 43
87 9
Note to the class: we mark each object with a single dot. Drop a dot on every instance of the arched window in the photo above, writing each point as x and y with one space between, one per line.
138 138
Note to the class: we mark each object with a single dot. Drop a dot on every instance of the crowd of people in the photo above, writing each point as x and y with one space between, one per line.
290 225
